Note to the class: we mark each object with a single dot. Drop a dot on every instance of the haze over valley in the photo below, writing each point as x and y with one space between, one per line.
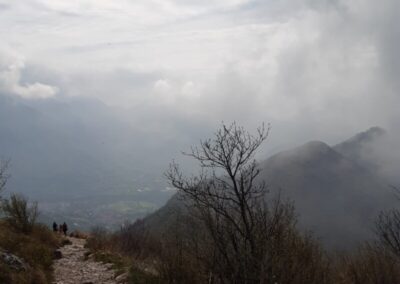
257 138
91 165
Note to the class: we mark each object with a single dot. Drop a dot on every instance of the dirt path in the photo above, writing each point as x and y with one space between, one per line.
73 269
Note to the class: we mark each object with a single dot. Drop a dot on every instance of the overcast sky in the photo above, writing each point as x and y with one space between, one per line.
315 69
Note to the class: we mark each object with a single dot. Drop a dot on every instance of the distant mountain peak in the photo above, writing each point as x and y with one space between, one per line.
312 148
376 129
369 135
315 144
372 133
311 152
360 147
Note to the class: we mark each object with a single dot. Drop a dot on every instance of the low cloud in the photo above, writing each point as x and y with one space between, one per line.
314 69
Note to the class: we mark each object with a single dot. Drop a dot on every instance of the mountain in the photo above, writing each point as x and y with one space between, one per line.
361 147
336 196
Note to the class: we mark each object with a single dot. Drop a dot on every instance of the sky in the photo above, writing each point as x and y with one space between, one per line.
314 69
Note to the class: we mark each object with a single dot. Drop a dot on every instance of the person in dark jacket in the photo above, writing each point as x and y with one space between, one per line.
65 228
55 227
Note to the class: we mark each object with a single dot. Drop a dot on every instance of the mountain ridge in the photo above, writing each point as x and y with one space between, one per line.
334 196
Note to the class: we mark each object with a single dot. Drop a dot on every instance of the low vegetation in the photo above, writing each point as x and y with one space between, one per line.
178 256
26 247
121 251
232 231
35 248
19 213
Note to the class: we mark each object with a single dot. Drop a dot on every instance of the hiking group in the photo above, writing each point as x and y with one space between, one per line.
62 228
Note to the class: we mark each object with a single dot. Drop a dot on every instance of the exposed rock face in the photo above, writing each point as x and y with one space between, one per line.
73 269
13 262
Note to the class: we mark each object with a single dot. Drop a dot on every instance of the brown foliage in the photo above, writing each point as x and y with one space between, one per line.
370 265
19 213
244 236
35 248
387 229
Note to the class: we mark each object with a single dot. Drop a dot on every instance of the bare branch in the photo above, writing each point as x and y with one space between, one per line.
4 176
228 199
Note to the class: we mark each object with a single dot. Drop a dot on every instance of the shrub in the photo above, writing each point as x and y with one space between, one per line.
42 233
35 248
387 229
139 277
19 214
98 239
370 265
65 242
135 240
78 234
296 259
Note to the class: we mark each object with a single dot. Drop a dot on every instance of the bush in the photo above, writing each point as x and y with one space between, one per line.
65 242
188 255
98 239
296 259
35 248
387 229
140 277
370 265
78 234
19 214
135 240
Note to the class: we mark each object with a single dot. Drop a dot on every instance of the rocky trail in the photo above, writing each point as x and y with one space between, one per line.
72 268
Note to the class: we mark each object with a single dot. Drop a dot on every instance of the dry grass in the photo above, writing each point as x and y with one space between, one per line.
78 234
36 248
369 265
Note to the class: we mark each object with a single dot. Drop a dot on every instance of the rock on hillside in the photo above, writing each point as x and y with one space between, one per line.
12 261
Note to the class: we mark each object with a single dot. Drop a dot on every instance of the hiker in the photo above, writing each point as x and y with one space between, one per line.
60 229
64 228
55 227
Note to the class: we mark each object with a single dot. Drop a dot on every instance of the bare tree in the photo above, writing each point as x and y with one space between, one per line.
3 174
230 203
387 228
368 264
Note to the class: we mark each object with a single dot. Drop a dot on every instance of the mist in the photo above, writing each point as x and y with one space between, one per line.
100 97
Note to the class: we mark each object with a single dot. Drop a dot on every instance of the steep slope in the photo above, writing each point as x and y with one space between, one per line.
335 197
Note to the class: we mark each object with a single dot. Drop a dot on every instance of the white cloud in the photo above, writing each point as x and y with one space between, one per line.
324 64
11 65
162 86
35 91
189 89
